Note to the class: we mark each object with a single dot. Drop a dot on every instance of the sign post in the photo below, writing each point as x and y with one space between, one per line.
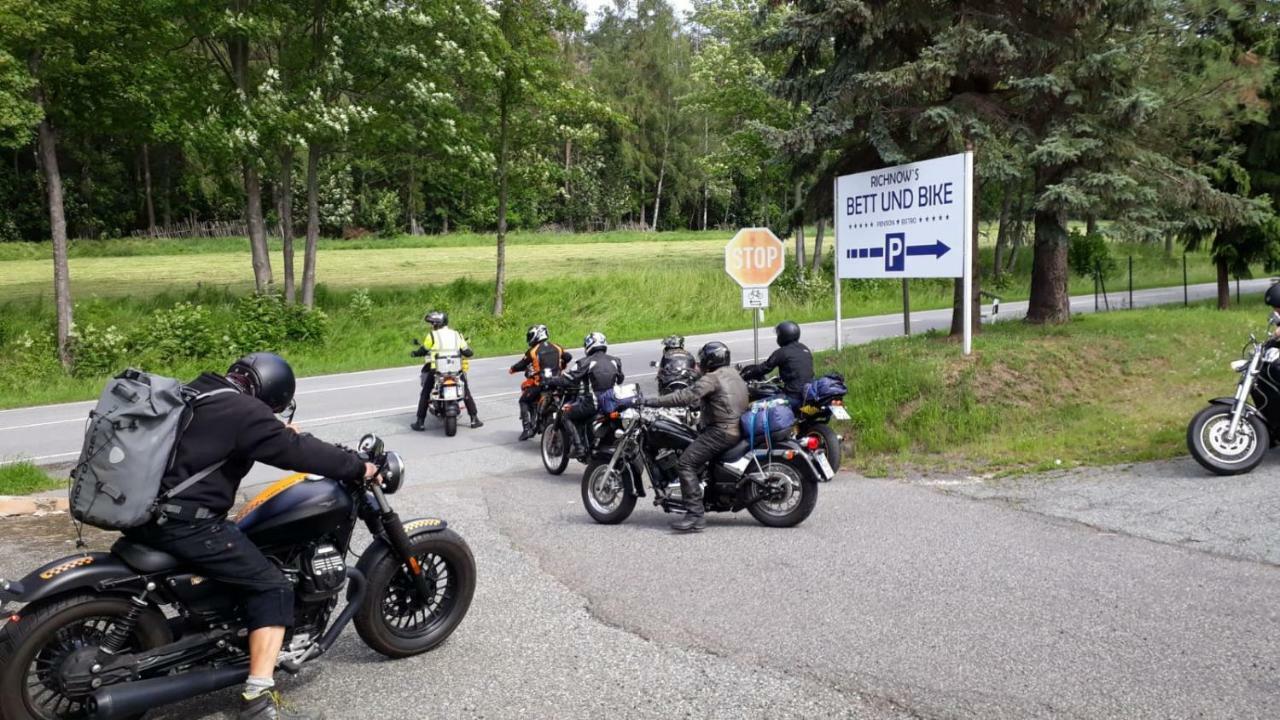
908 221
754 258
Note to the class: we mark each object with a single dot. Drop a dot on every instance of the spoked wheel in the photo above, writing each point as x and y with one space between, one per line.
609 498
395 620
828 442
1212 445
555 448
35 651
784 498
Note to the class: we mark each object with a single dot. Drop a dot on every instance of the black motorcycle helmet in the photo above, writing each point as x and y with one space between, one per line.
713 356
535 334
266 376
788 332
673 342
1272 297
436 319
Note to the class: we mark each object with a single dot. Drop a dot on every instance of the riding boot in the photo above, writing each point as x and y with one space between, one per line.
695 517
526 422
418 425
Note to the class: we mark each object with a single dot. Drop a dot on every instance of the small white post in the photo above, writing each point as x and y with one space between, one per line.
968 253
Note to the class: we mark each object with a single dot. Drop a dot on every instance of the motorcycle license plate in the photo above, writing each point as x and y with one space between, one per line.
838 412
824 466
449 392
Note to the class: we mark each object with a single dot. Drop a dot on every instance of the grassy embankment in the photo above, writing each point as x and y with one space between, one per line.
24 478
1110 388
637 287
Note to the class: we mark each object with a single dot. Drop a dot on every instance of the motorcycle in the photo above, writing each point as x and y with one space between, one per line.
449 390
550 421
777 483
813 419
1232 434
112 634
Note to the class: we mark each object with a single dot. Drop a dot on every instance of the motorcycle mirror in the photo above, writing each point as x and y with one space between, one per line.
370 445
653 363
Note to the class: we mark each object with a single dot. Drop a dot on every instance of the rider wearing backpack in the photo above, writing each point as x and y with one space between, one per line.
232 426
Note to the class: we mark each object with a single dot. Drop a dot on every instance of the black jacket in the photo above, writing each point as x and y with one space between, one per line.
599 371
722 395
243 430
795 366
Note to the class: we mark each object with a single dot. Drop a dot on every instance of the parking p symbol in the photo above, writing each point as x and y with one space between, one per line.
895 252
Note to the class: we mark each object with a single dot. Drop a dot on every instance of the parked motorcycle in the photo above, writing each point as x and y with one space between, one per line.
112 634
777 482
448 392
813 419
551 423
1232 435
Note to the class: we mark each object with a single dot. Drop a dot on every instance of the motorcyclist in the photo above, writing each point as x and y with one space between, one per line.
595 373
676 363
792 359
723 396
542 354
442 339
237 425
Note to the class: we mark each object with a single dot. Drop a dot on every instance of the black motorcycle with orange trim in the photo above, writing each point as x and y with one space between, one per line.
113 634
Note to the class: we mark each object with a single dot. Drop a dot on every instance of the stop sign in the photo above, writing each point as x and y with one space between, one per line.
754 257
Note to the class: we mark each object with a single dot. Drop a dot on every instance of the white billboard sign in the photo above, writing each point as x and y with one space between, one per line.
909 221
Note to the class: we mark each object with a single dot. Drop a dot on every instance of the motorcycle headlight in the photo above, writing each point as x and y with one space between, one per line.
1239 365
1271 355
392 473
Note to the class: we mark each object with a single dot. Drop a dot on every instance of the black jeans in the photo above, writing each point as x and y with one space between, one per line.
424 399
581 412
218 550
709 445
529 402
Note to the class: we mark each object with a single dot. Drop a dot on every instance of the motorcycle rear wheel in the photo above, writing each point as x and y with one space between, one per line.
394 620
798 495
1207 441
451 425
32 649
609 501
555 449
828 442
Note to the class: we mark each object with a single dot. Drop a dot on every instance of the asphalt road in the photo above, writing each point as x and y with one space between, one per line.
344 404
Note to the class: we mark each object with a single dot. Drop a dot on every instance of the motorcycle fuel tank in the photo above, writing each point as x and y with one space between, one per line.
667 433
295 509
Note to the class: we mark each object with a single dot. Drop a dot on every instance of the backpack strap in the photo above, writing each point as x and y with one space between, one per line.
197 477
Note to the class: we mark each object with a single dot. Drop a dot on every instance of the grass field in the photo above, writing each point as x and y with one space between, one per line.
24 478
1109 388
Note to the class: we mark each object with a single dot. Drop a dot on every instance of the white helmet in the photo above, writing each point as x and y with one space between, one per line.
595 341
536 334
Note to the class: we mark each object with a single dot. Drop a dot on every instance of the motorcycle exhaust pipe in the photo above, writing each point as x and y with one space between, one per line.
135 698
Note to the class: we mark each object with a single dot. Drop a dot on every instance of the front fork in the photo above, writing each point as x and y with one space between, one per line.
1242 395
399 541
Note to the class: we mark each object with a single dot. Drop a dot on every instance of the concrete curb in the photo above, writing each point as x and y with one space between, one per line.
31 505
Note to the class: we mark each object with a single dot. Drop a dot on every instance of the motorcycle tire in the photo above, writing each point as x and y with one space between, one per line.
55 626
828 442
791 510
555 449
388 622
451 425
1206 439
609 505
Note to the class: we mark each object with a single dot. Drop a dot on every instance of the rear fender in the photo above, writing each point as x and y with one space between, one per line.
94 571
791 452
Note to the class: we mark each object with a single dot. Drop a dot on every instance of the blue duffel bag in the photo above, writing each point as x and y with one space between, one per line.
768 421
825 388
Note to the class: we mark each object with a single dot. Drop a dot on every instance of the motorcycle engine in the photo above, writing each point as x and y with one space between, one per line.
323 572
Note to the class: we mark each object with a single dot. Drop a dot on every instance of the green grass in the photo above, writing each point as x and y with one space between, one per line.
24 478
1109 388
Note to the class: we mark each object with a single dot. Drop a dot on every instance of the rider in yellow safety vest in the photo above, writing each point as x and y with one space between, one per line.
441 340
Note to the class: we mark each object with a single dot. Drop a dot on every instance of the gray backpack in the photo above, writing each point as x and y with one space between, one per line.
129 443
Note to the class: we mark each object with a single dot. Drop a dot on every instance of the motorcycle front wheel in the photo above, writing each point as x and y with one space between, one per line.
451 425
34 649
1209 445
395 620
609 500
555 449
787 498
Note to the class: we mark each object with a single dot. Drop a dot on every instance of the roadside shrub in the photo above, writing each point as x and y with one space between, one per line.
29 356
182 331
1090 256
264 322
812 287
382 213
361 305
303 325
98 351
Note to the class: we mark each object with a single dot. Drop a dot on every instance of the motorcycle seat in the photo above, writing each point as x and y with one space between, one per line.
143 558
735 452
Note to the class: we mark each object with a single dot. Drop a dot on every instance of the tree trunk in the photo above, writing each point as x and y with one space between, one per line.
313 226
1002 235
166 183
1224 284
1091 225
286 221
1050 301
1168 245
817 244
706 186
657 197
47 141
146 184
257 228
500 284
411 198
799 222
568 187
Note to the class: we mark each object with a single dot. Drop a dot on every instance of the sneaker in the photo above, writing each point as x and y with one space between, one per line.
475 422
269 706
418 426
